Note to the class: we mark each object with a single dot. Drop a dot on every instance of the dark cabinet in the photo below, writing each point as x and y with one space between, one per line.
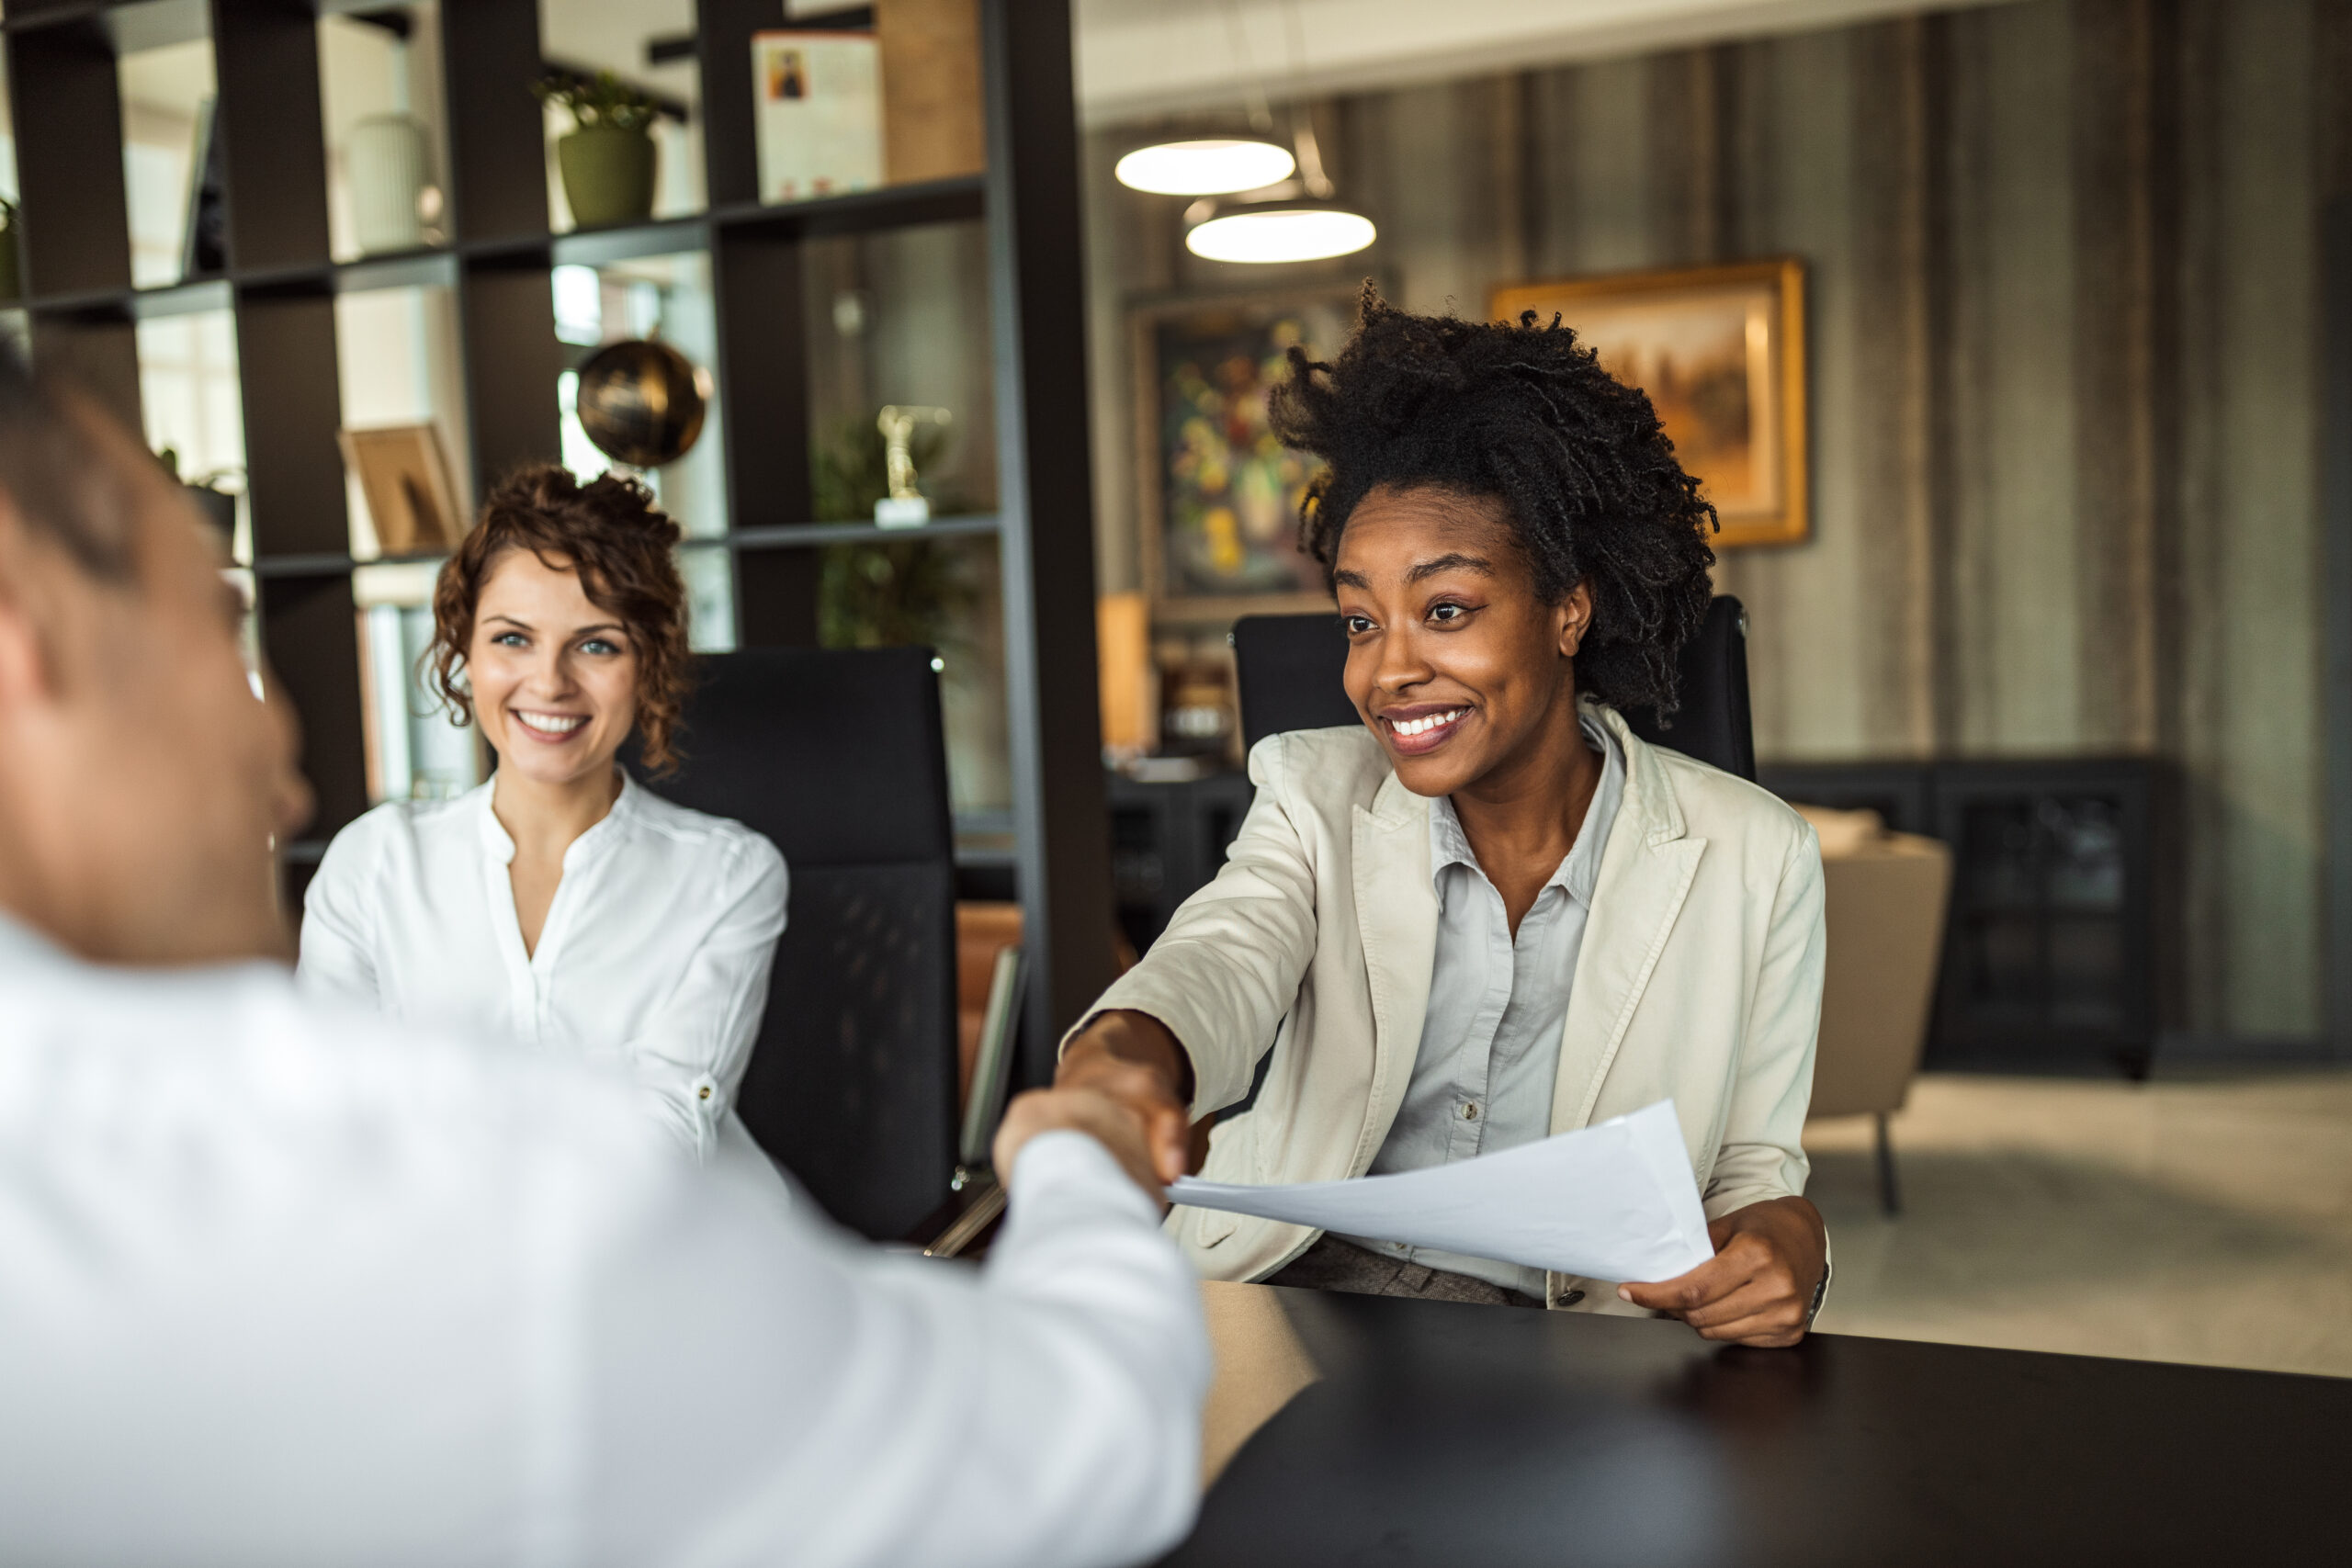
2053 944
2054 947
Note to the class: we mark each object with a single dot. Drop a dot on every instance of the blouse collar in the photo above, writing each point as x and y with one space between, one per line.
613 824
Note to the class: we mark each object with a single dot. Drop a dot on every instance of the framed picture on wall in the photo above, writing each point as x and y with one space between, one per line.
1217 494
1720 350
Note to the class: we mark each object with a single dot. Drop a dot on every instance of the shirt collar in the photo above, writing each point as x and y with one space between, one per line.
26 946
500 847
1579 871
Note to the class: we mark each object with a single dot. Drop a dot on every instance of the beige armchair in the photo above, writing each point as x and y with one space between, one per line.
1886 894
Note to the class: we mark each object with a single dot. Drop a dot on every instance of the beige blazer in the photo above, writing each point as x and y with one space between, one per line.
1699 978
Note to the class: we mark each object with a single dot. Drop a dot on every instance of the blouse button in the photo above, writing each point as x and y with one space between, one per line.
703 1093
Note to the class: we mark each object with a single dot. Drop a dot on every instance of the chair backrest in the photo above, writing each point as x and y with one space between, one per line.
1883 907
838 757
1288 669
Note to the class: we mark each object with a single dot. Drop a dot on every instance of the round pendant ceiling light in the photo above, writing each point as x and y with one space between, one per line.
1292 230
1211 166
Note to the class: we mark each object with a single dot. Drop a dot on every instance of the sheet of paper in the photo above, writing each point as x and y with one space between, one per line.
1610 1201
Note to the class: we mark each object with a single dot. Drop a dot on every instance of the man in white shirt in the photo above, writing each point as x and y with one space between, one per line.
280 1284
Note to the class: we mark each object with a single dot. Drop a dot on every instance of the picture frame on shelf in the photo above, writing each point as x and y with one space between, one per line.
1720 350
405 478
1217 496
818 99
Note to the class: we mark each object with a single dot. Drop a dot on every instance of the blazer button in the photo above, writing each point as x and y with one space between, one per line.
1570 1298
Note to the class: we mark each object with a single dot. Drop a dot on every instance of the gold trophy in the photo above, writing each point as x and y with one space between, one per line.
905 506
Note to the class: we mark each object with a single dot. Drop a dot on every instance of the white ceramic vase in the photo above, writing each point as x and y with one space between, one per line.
385 156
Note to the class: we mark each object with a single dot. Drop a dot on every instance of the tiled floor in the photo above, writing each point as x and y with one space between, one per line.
2183 1220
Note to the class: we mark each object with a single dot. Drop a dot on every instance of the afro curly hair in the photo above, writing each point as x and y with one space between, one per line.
1524 414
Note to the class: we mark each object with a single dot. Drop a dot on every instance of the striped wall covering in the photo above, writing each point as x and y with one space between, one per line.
2064 328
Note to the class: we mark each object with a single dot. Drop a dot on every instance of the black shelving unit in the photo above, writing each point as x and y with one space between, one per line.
280 282
2059 939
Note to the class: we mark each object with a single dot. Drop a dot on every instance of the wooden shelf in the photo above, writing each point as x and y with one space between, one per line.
809 535
860 212
25 18
773 537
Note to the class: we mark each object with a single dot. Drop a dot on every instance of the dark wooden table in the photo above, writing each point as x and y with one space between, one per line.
1474 1436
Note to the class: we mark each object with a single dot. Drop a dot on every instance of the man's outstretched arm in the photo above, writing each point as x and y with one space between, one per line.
853 1407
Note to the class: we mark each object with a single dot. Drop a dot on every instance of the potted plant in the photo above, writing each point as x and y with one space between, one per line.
607 160
12 277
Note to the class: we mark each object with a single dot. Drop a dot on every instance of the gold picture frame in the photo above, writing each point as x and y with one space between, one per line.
1219 545
1720 350
404 478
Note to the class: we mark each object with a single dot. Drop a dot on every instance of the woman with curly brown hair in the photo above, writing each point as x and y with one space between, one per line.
562 900
1490 913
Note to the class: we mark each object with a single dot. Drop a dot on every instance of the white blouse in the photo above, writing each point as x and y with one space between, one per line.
654 957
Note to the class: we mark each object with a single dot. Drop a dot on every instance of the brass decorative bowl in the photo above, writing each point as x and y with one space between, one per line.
641 402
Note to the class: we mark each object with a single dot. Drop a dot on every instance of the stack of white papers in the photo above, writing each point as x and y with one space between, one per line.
1611 1201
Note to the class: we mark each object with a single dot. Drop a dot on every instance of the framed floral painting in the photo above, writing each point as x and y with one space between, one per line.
1218 495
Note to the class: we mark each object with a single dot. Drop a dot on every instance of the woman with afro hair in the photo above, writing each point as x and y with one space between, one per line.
1490 913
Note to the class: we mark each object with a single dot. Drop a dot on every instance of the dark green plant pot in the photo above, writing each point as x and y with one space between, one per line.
607 175
12 282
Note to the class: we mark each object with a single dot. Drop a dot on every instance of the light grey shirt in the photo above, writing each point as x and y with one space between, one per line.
1490 1040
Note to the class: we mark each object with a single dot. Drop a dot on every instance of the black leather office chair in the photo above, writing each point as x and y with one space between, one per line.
838 757
1289 671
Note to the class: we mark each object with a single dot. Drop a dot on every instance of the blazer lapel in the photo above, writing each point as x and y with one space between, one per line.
1397 920
1645 872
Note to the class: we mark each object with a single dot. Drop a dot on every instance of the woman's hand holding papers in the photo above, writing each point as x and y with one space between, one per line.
1758 1288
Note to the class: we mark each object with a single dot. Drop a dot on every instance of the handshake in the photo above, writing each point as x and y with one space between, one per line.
1124 1082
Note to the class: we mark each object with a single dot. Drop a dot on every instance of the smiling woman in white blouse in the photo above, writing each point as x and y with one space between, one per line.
563 902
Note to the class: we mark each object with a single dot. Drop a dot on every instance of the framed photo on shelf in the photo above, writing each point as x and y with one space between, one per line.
404 478
1720 350
1217 496
818 98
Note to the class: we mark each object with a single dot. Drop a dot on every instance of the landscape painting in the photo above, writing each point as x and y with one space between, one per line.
1720 350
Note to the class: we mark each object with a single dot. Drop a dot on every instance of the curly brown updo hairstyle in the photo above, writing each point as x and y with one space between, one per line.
1525 412
620 543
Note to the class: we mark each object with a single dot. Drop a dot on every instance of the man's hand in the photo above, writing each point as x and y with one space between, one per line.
1111 1122
1133 1058
1758 1287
